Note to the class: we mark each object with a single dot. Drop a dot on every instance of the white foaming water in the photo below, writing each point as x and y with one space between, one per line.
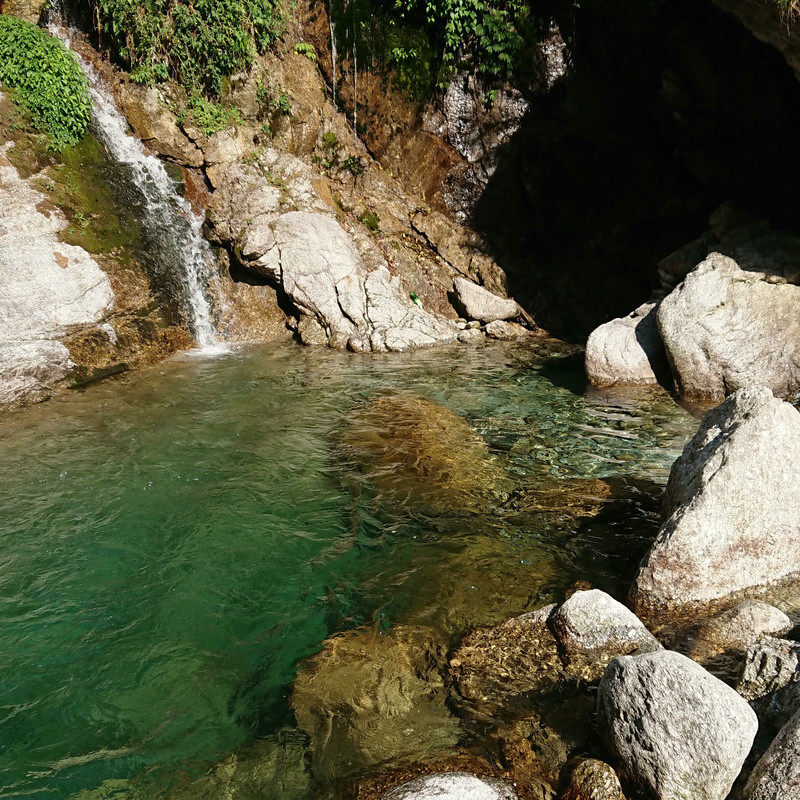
171 221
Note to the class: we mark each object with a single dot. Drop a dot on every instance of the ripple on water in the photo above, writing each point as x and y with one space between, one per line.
174 542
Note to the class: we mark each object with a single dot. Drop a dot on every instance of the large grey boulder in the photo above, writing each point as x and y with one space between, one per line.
452 786
592 628
479 303
725 328
732 509
777 774
676 731
626 350
736 629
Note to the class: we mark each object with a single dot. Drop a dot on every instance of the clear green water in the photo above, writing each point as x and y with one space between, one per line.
172 544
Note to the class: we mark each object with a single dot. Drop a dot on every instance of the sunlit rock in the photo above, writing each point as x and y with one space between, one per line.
725 328
626 350
676 731
732 510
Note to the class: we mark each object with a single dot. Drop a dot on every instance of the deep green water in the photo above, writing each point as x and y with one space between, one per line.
173 543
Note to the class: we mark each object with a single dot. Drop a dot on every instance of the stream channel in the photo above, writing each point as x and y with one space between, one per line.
175 542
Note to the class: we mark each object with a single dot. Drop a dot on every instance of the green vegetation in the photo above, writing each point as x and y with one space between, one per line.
422 43
212 117
306 50
47 81
197 42
372 221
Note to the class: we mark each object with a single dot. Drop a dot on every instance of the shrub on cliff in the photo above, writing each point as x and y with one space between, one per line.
197 42
47 81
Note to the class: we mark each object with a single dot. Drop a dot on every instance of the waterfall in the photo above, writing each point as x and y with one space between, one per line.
177 251
355 79
333 52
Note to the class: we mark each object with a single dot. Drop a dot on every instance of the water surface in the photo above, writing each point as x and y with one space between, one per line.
174 542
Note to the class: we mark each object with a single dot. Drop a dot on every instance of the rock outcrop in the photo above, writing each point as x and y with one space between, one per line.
46 288
777 774
627 350
731 509
725 328
676 731
349 289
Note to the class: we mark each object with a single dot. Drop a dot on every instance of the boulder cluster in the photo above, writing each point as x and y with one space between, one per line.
728 318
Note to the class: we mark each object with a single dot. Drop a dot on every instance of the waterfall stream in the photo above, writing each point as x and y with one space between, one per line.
333 55
178 255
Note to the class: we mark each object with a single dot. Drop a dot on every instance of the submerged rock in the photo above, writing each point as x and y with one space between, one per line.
593 780
452 786
496 668
777 774
676 731
579 497
592 628
417 451
271 767
538 746
736 629
368 698
725 328
481 304
627 350
732 510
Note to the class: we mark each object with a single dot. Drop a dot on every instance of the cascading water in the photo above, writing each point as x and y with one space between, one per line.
177 252
333 55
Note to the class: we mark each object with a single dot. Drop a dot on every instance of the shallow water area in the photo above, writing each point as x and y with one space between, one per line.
174 542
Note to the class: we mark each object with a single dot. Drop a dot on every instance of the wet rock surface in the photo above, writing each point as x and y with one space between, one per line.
627 350
675 730
731 509
369 698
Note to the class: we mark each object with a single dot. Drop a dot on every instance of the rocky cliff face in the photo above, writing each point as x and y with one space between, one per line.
74 307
